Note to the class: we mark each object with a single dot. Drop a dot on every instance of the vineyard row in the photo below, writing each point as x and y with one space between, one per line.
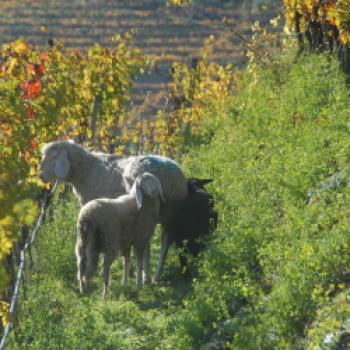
54 93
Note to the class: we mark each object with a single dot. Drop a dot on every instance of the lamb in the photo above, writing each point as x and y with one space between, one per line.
111 225
97 175
194 218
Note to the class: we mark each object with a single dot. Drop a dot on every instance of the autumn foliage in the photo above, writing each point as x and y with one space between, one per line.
330 12
45 96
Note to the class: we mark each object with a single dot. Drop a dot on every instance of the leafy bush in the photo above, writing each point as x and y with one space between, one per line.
284 135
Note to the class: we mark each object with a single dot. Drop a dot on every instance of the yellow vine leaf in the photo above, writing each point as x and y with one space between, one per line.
20 46
12 65
4 312
25 211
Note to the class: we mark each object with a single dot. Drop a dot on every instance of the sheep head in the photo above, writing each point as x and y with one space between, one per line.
148 185
55 162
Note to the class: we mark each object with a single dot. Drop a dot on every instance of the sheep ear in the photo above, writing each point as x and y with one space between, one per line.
159 189
152 186
138 194
62 165
205 181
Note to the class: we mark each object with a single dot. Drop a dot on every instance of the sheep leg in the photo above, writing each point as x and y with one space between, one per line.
139 266
81 277
183 256
107 262
183 262
131 270
164 247
127 266
146 264
80 254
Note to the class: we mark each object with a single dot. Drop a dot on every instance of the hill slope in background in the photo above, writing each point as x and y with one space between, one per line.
276 273
170 34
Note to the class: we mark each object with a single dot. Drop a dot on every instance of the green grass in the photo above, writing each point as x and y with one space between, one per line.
54 316
276 263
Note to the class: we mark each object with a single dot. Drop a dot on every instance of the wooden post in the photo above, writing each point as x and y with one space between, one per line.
300 38
346 62
95 112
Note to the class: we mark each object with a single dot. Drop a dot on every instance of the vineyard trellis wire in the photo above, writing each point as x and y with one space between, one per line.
28 242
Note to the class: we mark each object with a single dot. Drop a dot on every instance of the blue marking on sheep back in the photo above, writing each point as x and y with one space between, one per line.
151 162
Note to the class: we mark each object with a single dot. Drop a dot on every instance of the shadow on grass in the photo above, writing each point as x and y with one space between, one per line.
171 290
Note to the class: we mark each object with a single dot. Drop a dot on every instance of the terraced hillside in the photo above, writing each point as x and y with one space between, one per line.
168 33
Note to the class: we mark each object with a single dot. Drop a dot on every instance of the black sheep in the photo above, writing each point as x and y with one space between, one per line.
195 218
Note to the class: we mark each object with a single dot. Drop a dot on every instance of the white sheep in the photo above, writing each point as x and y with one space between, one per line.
97 175
110 226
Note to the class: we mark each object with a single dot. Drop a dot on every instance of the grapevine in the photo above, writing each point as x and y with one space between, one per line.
57 94
324 23
322 12
47 95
